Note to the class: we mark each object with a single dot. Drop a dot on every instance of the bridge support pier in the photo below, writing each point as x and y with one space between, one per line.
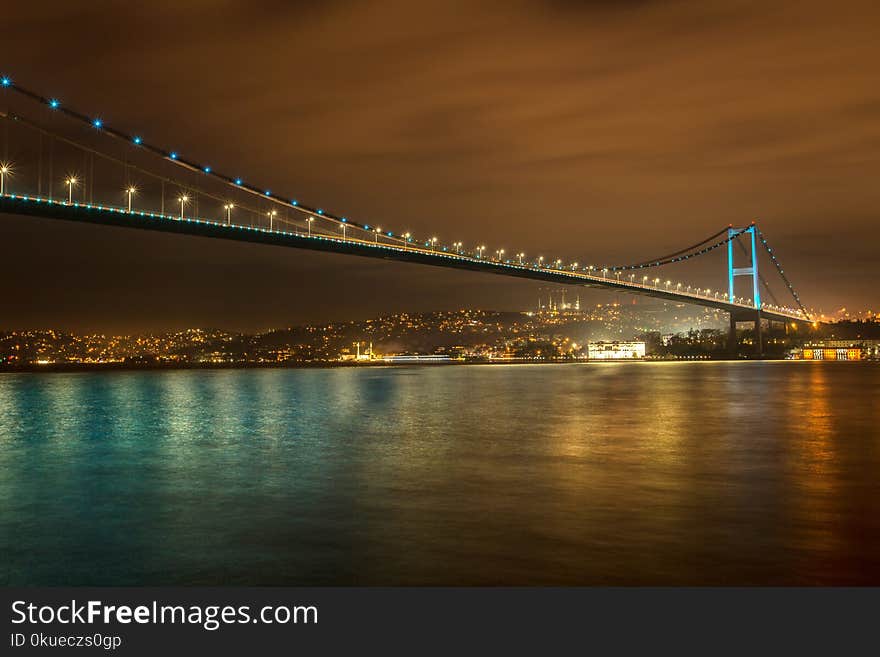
756 319
759 335
732 342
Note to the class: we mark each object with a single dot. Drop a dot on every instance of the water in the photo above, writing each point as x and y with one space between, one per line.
635 473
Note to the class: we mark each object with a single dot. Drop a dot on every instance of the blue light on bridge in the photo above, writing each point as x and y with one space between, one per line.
238 181
5 81
98 123
320 211
294 202
343 220
172 155
54 104
268 192
137 140
207 169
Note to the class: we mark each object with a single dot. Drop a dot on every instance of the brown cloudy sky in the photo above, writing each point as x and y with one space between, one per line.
601 131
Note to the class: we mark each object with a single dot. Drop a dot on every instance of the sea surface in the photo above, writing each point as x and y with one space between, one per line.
604 473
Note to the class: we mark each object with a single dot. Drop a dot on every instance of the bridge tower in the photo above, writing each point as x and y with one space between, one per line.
750 270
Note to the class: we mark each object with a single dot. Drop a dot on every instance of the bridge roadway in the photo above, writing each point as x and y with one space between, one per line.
113 216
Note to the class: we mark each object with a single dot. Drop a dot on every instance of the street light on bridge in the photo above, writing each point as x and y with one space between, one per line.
309 225
71 182
184 199
5 169
434 243
378 231
228 207
480 250
130 192
272 214
520 256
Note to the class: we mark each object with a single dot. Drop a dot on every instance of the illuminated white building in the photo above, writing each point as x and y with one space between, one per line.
615 350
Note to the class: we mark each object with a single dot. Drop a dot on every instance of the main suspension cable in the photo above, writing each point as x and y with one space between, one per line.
782 274
677 253
687 253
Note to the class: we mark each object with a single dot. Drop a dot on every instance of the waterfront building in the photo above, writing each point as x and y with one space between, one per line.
615 350
838 350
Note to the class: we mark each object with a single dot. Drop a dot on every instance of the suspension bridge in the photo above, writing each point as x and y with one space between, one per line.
60 163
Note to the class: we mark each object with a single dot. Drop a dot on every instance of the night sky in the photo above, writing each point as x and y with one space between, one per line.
605 132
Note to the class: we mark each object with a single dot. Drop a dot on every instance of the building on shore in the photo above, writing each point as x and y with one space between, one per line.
615 350
838 350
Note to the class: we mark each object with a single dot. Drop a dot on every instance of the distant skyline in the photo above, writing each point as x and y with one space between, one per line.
598 131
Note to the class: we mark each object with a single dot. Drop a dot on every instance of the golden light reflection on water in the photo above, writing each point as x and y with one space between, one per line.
610 473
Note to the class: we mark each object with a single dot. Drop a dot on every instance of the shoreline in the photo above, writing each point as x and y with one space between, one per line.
61 368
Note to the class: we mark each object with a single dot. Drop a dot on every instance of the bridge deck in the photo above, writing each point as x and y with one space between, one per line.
112 216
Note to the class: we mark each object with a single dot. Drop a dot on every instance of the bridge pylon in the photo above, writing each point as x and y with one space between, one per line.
750 270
